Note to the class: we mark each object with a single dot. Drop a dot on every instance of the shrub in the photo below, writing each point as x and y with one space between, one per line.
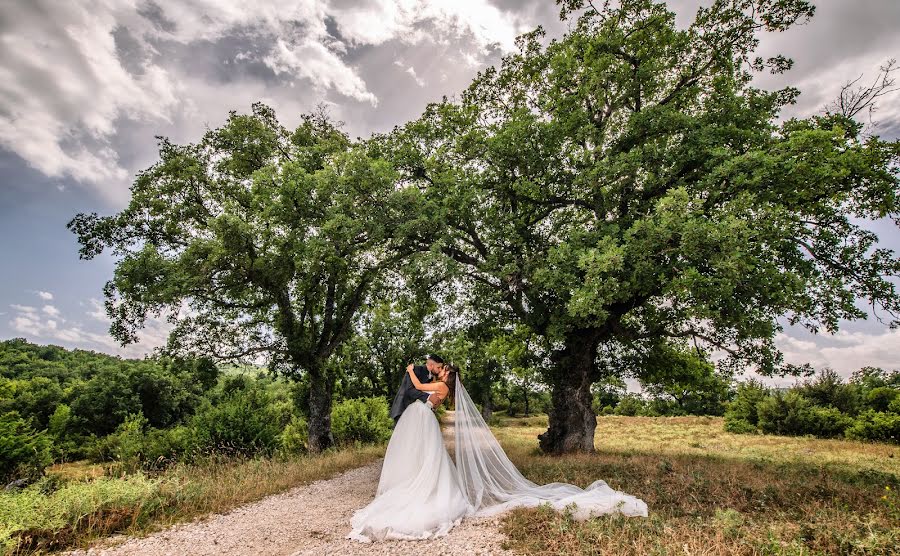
24 453
738 426
294 437
126 444
780 414
876 425
361 420
630 405
894 406
794 414
829 389
743 408
243 422
880 399
825 422
165 446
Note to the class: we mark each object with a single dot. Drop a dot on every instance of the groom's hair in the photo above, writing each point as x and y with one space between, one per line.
436 358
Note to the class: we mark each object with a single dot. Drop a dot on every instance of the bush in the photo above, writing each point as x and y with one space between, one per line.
361 420
737 425
630 405
741 412
24 453
881 398
876 425
825 422
243 421
294 437
829 389
126 444
794 414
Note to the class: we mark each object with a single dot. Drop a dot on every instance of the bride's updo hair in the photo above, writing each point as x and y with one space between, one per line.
452 371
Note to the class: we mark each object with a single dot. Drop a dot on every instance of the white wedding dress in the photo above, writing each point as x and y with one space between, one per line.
418 495
423 494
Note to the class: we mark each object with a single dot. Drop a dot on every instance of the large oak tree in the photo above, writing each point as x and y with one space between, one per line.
272 238
626 185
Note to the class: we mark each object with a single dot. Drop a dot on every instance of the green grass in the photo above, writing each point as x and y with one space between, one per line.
88 504
712 492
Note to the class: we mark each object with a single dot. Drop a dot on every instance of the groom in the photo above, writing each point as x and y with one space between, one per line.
408 393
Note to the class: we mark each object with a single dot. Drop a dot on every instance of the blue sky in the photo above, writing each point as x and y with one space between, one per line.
88 84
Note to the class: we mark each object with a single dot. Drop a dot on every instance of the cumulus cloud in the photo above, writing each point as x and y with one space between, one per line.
844 351
71 73
46 296
46 326
99 310
50 310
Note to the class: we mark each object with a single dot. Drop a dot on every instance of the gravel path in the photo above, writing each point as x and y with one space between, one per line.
311 519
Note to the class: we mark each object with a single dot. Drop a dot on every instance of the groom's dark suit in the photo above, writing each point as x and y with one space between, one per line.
408 393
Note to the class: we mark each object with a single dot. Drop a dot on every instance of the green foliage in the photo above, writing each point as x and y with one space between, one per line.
294 436
741 415
24 453
280 244
243 421
627 182
685 377
388 337
828 389
876 425
630 405
793 414
881 398
126 444
66 508
361 420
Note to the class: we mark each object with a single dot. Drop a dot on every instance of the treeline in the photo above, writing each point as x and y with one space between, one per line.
867 407
58 405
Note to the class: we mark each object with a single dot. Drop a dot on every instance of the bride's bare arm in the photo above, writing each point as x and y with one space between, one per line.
438 387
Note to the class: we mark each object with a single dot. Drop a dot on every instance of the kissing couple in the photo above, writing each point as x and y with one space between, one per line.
423 494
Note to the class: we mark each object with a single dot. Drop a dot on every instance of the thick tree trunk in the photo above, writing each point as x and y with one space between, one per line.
320 389
487 406
572 418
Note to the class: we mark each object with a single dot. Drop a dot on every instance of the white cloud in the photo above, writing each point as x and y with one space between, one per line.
46 296
50 310
845 352
99 311
30 322
412 72
65 88
314 61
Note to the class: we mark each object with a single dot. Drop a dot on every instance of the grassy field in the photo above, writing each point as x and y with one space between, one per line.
87 503
712 492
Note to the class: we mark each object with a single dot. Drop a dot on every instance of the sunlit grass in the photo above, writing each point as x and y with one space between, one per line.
712 492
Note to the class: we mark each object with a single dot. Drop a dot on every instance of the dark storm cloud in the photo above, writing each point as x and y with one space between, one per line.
154 13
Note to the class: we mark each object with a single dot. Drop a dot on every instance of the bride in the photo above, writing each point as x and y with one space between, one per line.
423 494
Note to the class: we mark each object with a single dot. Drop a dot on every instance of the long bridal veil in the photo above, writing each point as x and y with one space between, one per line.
492 483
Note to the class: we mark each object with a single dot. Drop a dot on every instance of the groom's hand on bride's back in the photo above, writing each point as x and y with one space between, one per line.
434 399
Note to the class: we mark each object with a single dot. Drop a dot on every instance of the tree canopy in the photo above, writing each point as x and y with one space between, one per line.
618 191
626 185
272 238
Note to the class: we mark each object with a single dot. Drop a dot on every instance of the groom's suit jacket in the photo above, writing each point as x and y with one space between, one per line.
408 393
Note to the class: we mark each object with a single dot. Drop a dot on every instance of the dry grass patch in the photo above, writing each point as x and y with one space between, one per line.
88 507
712 492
